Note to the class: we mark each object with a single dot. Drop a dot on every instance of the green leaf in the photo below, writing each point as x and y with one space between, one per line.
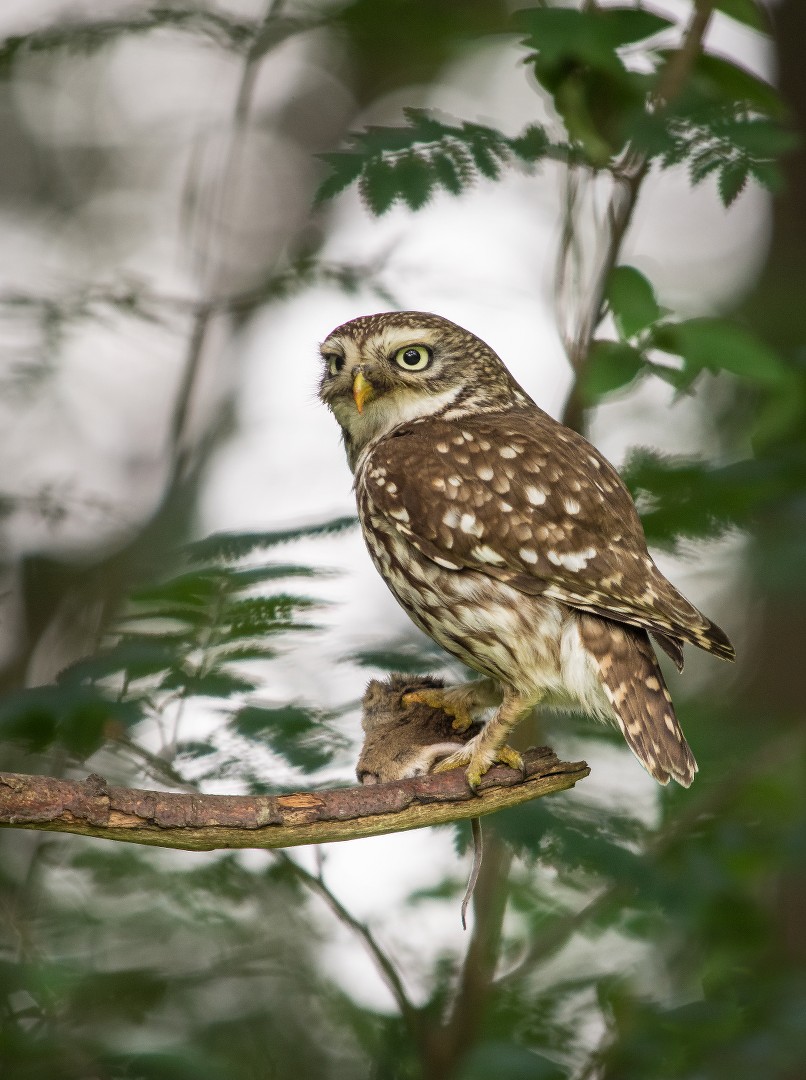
716 344
767 174
217 683
229 654
531 145
296 733
232 546
134 659
345 167
632 301
195 589
589 37
415 180
76 718
760 138
610 365
404 659
448 173
727 83
405 163
731 181
263 614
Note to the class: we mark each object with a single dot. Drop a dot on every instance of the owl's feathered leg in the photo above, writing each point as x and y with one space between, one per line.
459 702
634 686
488 747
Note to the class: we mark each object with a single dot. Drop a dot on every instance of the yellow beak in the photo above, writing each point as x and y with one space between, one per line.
362 391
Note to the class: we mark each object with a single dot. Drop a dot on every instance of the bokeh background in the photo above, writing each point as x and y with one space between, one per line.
163 287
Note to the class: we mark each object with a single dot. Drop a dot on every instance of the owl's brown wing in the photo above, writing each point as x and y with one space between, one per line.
519 497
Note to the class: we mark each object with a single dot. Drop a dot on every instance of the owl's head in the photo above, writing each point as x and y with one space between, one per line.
388 369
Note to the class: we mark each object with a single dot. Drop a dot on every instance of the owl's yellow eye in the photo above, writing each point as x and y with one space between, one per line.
335 363
413 357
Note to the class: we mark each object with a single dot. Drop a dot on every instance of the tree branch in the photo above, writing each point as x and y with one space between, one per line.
447 1044
194 822
628 178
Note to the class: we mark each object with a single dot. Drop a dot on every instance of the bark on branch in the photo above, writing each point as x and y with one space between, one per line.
203 822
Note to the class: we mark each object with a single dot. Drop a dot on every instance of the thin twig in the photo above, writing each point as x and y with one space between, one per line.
387 970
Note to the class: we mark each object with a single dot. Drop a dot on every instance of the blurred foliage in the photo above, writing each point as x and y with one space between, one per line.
633 950
725 121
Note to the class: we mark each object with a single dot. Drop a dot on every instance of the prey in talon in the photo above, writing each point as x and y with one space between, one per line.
405 735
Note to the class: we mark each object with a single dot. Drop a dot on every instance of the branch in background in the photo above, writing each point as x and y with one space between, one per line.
194 822
628 181
446 1045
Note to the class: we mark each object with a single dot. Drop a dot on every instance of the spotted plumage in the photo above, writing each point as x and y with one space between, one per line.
507 537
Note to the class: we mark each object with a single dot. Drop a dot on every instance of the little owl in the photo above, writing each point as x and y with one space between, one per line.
508 539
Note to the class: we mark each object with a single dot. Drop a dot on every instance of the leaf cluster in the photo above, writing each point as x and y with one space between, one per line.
725 121
678 351
192 636
410 163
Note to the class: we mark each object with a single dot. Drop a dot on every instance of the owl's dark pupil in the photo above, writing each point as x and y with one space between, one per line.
411 356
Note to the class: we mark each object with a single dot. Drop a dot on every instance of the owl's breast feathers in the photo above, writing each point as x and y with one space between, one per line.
518 497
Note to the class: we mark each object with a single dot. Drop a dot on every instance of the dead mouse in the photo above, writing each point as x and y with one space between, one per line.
401 741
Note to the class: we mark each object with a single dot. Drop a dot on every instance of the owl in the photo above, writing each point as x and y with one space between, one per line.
509 540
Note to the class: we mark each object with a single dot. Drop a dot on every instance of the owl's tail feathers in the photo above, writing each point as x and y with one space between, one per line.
642 706
714 640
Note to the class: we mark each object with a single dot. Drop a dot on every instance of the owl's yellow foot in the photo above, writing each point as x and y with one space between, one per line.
479 759
442 699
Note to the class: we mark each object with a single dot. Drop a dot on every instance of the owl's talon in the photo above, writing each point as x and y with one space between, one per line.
436 699
479 760
507 756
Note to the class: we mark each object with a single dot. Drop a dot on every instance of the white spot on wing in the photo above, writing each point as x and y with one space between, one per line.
468 523
535 495
486 554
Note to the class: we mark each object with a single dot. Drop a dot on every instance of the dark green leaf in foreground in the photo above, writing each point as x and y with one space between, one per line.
232 546
610 366
632 301
298 734
716 344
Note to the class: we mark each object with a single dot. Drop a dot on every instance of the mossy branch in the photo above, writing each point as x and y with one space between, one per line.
193 822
